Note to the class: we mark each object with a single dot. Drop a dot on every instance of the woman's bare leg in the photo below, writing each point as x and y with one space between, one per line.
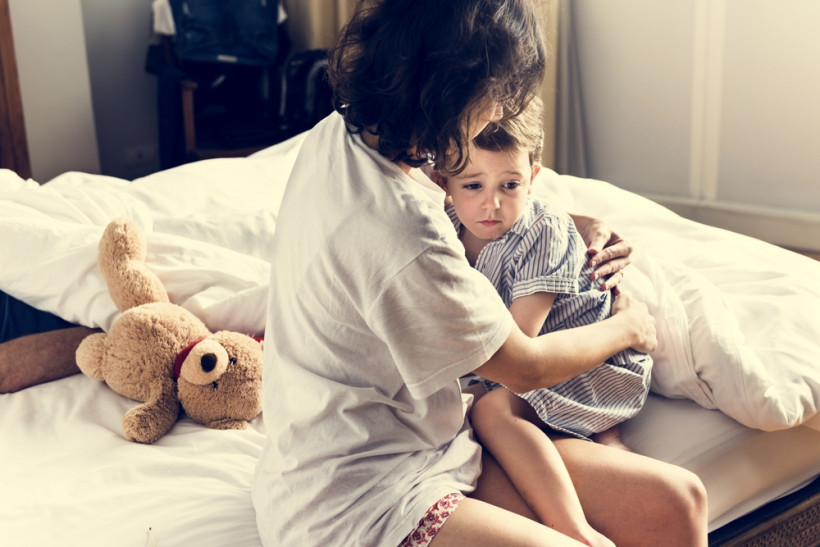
634 499
38 358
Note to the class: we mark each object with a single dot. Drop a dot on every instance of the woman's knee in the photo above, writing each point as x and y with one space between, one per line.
684 508
694 498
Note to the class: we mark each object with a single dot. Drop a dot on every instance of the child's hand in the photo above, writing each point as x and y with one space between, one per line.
636 316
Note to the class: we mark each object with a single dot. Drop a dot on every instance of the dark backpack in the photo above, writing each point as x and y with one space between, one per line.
240 32
306 94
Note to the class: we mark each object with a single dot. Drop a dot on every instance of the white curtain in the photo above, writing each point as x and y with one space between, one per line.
550 10
570 156
313 24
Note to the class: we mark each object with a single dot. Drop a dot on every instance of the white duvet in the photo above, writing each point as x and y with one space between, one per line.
738 319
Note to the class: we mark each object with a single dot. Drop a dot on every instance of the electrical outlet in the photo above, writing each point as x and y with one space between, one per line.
139 155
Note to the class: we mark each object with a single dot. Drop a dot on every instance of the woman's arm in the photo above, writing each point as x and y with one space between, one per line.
523 363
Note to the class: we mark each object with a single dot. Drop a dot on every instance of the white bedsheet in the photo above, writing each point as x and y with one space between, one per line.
68 478
207 225
739 322
738 319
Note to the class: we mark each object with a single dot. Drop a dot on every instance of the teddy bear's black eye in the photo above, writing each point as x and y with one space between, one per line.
215 385
232 361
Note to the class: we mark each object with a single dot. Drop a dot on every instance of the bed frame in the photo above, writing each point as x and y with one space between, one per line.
793 520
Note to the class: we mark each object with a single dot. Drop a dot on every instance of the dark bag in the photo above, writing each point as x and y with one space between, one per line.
306 94
242 32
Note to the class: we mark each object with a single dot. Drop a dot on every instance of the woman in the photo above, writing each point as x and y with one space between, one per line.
374 313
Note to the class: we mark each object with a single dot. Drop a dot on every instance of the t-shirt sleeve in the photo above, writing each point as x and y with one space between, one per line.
551 256
440 319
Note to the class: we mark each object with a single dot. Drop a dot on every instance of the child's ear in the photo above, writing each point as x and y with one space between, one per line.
536 168
439 179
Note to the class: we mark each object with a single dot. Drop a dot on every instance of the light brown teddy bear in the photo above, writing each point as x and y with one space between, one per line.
160 354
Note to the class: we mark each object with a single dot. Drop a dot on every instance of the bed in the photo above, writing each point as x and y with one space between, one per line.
736 383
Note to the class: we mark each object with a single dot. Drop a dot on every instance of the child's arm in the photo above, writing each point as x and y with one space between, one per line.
530 312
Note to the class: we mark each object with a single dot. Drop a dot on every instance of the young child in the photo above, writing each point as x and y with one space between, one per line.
536 260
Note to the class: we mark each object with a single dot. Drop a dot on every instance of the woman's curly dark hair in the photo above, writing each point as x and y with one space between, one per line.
416 72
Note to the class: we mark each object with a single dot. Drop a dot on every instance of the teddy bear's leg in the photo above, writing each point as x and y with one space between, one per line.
228 423
121 260
151 420
89 355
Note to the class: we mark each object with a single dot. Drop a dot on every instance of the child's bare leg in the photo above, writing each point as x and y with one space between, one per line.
38 358
495 514
505 425
611 437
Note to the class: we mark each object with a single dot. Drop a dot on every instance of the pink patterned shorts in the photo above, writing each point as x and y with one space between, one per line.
432 521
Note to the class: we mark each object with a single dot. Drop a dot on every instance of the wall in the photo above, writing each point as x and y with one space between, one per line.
708 106
53 72
88 103
117 35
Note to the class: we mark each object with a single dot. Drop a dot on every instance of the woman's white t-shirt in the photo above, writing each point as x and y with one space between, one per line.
373 315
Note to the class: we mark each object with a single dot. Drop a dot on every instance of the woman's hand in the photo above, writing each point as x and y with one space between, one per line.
636 316
609 252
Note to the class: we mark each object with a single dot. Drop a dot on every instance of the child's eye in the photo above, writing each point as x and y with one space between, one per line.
512 185
471 186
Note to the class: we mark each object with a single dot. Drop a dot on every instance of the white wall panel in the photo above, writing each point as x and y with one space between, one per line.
49 41
770 128
709 106
635 61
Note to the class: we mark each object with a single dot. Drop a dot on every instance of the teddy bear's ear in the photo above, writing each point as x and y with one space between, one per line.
260 340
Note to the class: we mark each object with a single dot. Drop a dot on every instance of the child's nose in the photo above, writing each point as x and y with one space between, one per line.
491 200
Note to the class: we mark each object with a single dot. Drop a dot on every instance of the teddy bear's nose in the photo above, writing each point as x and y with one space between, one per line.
208 362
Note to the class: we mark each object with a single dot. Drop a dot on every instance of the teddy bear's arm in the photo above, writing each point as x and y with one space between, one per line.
151 420
89 356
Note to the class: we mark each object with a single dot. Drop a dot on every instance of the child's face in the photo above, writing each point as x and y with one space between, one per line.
491 193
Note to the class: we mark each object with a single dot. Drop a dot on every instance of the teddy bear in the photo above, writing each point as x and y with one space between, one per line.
163 356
